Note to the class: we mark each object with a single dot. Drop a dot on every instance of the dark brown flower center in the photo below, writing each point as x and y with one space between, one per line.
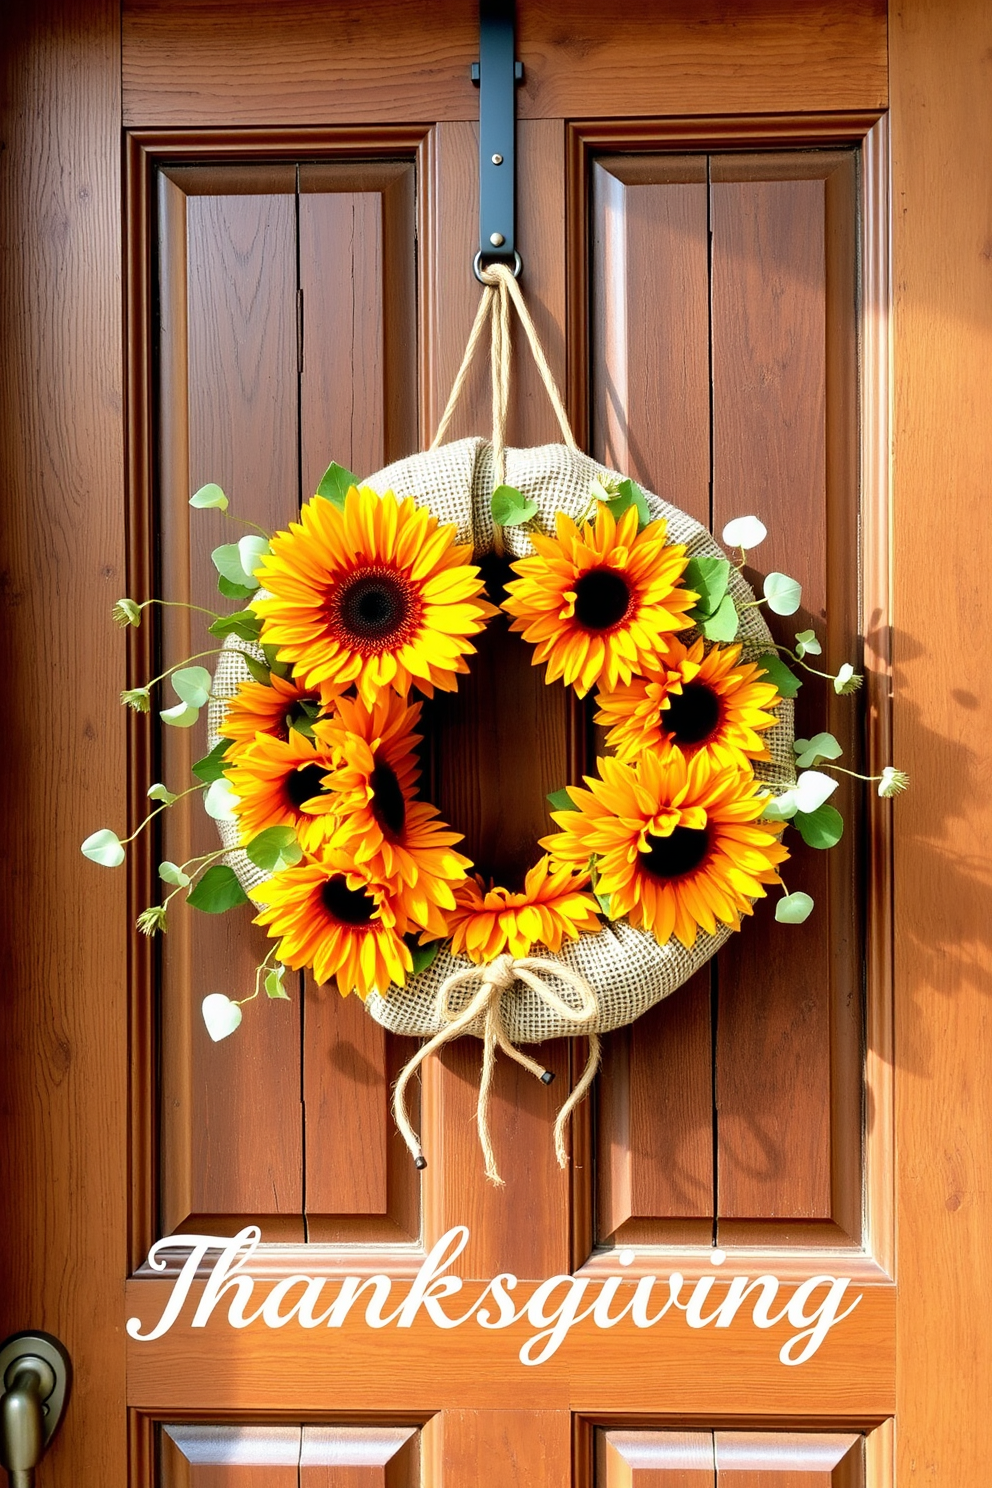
692 716
375 609
350 906
304 784
602 599
677 854
388 805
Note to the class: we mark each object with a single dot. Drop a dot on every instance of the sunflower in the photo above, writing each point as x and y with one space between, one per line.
600 601
375 593
551 909
676 842
258 709
280 782
694 700
339 921
374 751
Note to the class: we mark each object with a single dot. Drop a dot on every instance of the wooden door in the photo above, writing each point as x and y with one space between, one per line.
705 200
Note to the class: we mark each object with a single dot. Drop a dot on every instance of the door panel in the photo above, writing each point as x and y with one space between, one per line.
728 1459
196 1456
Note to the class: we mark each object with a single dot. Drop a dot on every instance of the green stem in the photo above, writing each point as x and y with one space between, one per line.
180 604
826 765
792 655
164 807
243 522
259 971
214 651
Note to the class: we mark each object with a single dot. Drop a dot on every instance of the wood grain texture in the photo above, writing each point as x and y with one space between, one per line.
654 1459
788 1459
942 117
232 1117
64 1010
531 1448
194 63
250 1456
377 1456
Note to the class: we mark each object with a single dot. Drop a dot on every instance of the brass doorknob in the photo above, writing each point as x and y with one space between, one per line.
34 1377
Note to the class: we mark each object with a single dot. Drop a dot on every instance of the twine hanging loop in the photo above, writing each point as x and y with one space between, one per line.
492 983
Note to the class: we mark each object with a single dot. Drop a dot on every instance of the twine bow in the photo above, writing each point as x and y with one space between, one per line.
493 982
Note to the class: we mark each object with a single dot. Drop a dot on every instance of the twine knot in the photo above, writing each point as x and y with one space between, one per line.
492 983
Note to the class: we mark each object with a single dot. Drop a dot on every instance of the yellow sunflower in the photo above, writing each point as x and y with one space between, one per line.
551 909
258 709
600 601
694 700
376 593
280 782
374 752
338 921
676 842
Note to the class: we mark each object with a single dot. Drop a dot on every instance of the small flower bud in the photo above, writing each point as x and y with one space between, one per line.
893 782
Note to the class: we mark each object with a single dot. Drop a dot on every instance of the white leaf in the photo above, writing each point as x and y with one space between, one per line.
219 800
162 793
251 550
221 1015
172 873
781 808
812 789
104 847
744 532
180 716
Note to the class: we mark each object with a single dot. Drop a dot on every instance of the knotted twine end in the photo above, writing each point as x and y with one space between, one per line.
494 981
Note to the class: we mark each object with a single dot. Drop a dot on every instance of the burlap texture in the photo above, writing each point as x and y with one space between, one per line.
627 968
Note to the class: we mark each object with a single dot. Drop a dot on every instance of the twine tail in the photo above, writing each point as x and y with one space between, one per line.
578 1094
489 1042
449 1031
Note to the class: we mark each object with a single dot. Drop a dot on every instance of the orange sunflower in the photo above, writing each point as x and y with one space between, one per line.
677 843
258 709
339 921
694 700
376 593
600 601
551 909
374 817
280 782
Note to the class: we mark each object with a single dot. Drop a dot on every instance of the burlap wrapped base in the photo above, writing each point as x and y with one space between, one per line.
626 968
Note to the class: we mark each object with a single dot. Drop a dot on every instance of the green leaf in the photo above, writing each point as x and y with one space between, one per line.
793 909
258 669
781 808
193 685
630 494
183 715
510 507
219 800
274 848
162 793
251 550
422 956
274 983
723 625
208 496
787 682
707 577
211 766
335 484
784 595
810 751
227 561
561 801
807 644
217 891
235 591
103 847
171 873
281 668
604 902
244 624
821 828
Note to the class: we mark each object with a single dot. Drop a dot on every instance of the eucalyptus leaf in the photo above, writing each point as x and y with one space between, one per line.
778 673
812 789
192 684
227 561
707 577
252 549
219 800
807 644
810 751
335 483
183 715
244 624
422 956
220 1015
235 591
793 909
211 766
103 847
784 595
510 507
274 848
561 801
744 532
723 625
274 987
258 669
171 873
780 808
209 495
218 890
821 828
162 793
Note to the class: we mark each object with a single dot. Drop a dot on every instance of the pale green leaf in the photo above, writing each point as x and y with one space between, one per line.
251 550
820 747
171 873
335 483
104 847
793 909
211 766
273 983
219 800
274 848
192 684
807 644
784 595
723 625
162 793
510 507
708 578
209 495
182 715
